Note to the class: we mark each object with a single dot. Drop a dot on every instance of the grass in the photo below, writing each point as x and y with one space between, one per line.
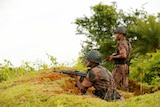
24 92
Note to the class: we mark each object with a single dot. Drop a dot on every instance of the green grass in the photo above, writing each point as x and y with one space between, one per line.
20 92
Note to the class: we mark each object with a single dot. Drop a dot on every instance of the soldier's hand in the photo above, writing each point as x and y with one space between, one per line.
109 58
73 76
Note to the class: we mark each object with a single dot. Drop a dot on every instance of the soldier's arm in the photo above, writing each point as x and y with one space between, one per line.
122 52
84 85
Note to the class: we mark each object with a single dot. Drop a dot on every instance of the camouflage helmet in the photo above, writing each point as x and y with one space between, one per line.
94 56
121 30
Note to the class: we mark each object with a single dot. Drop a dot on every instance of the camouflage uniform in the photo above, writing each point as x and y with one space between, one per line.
103 83
121 69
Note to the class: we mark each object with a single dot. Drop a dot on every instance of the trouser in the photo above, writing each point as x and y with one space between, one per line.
120 74
107 95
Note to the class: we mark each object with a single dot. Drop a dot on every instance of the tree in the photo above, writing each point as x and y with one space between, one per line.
147 34
99 29
143 30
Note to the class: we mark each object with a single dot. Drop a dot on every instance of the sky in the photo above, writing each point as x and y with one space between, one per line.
31 28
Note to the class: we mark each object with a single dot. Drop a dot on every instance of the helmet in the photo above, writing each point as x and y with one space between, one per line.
94 56
121 30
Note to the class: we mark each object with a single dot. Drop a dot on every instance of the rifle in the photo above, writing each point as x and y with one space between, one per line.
77 73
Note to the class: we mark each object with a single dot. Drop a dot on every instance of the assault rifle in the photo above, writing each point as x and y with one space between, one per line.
70 73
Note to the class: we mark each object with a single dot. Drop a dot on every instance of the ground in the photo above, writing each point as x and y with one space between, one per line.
135 89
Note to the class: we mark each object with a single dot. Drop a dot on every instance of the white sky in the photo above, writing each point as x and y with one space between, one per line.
31 28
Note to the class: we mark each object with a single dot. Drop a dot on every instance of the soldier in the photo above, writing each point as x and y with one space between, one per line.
98 77
121 69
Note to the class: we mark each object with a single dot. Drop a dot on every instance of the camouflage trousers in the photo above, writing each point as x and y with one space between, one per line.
108 95
120 74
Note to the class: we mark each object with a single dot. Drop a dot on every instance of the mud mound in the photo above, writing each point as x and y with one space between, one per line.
52 76
70 87
135 89
138 89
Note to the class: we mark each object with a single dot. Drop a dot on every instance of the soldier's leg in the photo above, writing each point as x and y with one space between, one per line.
117 75
125 78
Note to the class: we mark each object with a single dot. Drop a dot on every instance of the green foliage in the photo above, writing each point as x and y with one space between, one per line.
146 33
147 100
98 28
8 71
39 65
80 65
146 68
143 30
52 59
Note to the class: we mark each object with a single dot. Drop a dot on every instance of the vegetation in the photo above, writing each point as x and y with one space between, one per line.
143 30
146 68
48 88
40 89
146 35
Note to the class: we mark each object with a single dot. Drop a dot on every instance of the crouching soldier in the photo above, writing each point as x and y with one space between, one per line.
98 77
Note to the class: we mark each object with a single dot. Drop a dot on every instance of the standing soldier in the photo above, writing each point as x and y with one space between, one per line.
121 67
98 77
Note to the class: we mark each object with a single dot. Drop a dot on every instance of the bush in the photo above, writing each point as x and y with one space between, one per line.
146 68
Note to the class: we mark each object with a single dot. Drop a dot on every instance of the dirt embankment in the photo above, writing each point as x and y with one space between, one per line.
135 89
